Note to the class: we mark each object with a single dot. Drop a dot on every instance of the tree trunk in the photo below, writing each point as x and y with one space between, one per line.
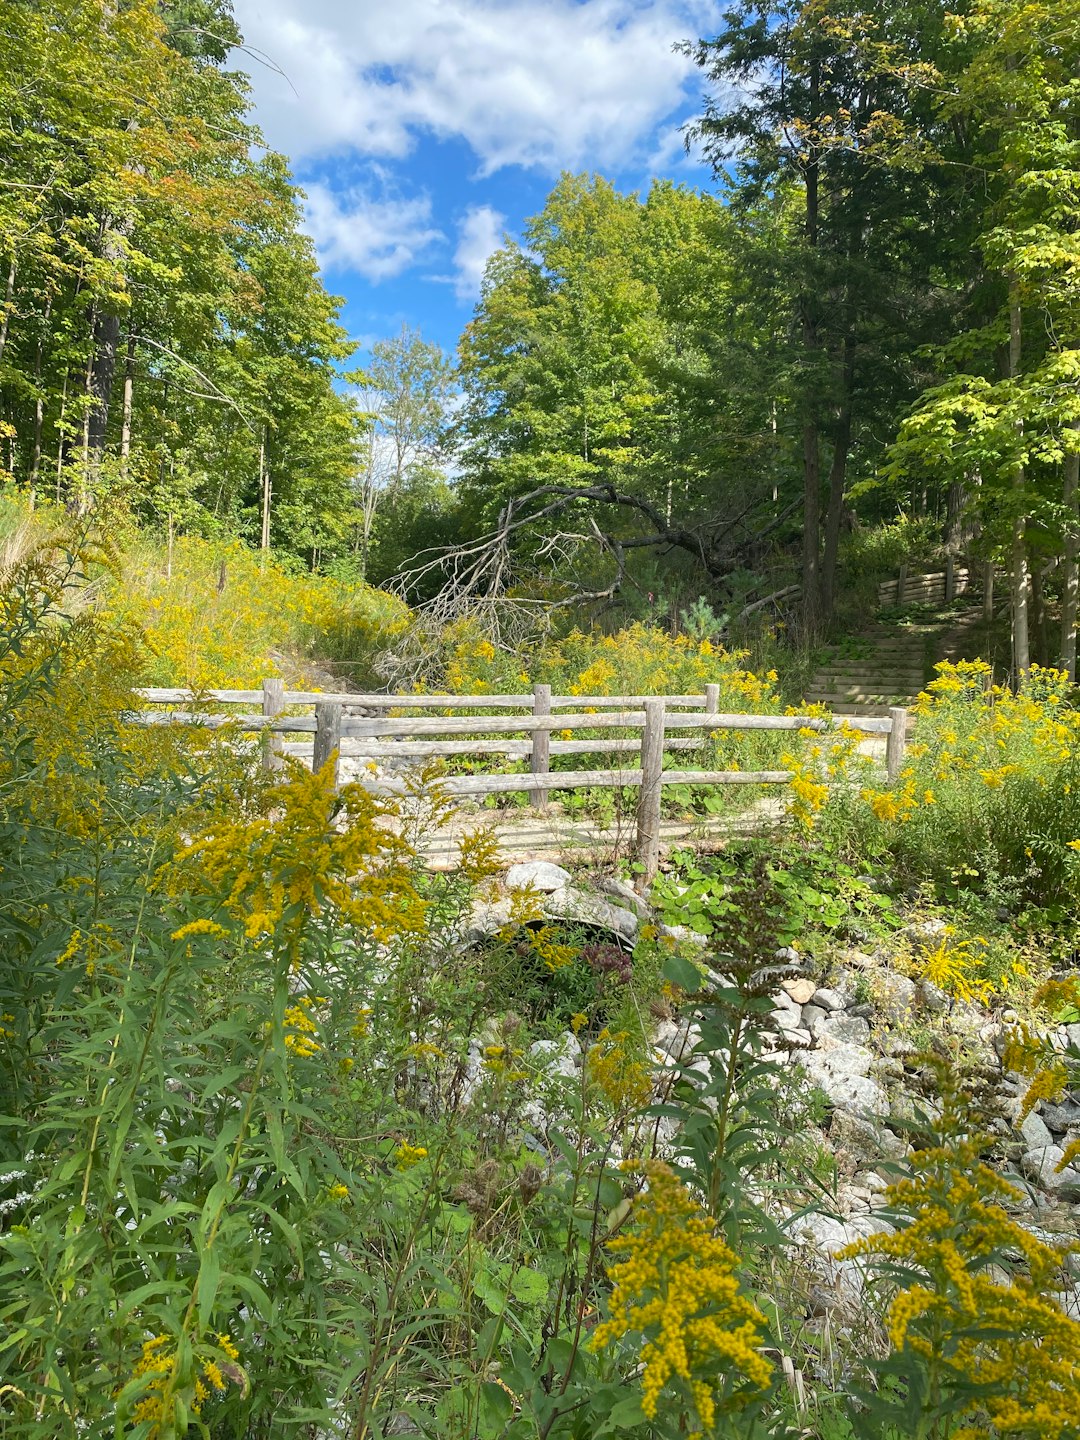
1038 631
9 292
834 513
129 381
1018 559
811 527
1070 585
811 596
264 484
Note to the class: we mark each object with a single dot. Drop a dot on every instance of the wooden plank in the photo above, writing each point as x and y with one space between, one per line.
577 779
281 724
158 696
511 725
648 807
446 749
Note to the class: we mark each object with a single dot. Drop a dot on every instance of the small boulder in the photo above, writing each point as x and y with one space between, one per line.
560 1056
839 1029
842 1071
828 999
625 893
895 995
1041 1165
572 904
800 990
537 875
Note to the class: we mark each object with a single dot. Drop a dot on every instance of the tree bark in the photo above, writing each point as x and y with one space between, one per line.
1070 587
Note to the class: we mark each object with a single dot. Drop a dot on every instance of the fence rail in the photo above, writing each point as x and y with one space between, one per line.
358 724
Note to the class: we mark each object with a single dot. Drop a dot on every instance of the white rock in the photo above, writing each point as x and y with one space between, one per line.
799 1038
537 875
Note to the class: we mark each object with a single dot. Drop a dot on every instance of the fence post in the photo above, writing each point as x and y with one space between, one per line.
950 578
896 742
901 584
541 745
648 813
712 699
273 702
327 734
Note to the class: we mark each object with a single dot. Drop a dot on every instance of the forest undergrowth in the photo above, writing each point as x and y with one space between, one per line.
282 1152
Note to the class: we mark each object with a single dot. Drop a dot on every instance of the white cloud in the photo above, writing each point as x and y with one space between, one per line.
563 84
378 237
479 235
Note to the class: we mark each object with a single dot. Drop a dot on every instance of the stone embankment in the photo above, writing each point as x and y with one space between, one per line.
853 1030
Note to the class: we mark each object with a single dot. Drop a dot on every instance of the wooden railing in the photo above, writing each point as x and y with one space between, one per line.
358 724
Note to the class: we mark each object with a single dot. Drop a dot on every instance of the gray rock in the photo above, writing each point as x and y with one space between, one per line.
828 999
798 1038
682 935
842 1072
819 1237
840 1030
1072 1034
813 1015
1067 1300
788 953
1040 1164
1036 1133
487 918
537 875
925 929
866 1137
1060 1118
561 1056
676 1038
623 891
932 998
572 904
895 995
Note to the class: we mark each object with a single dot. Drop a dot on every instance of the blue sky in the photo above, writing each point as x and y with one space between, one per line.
424 130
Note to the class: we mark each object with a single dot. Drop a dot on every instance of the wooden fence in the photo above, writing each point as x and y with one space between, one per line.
360 725
938 588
